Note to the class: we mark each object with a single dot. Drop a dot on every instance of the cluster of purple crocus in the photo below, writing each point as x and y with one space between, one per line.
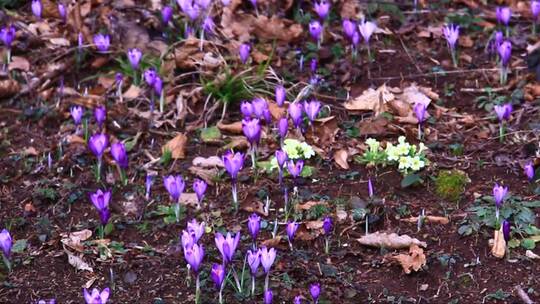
96 296
296 111
194 252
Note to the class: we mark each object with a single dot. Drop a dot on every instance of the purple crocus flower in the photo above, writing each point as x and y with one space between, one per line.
148 185
76 113
118 152
218 275
503 112
118 77
268 296
227 245
315 291
535 9
503 14
327 225
280 95
499 37
187 238
194 254
355 38
312 109
196 228
252 131
96 297
349 28
297 300
6 243
134 56
283 127
367 28
150 76
101 200
295 111
322 8
315 29
62 11
243 52
292 226
233 163
193 12
7 35
166 14
246 108
295 169
37 8
100 114
158 85
254 225
268 256
505 52
204 4
259 107
499 194
451 34
208 24
98 143
529 171
175 186
506 230
254 260
102 42
420 112
199 186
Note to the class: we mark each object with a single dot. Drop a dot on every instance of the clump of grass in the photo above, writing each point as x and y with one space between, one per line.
450 184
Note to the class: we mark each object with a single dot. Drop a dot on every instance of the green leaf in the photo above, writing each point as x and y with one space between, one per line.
210 134
528 244
513 243
108 229
307 171
465 230
19 246
410 180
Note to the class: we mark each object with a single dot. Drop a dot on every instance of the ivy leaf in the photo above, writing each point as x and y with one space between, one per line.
19 246
528 244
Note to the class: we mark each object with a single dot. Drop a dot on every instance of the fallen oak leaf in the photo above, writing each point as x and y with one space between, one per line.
415 260
390 241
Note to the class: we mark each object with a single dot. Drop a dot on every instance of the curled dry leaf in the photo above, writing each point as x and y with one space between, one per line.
324 131
73 240
340 157
270 243
188 54
177 146
237 143
78 262
429 218
415 260
235 127
276 111
254 206
208 174
371 100
531 255
208 162
391 241
499 244
8 88
132 93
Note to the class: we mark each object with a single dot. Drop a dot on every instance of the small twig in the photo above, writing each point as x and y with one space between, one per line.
523 295
484 90
409 55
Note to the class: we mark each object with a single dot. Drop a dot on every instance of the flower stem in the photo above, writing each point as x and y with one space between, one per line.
267 281
235 196
7 262
501 132
326 245
197 290
98 170
253 285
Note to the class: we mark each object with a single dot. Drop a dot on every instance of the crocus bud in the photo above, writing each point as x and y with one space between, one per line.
98 143
100 200
505 52
233 163
37 8
503 112
420 112
529 171
295 111
208 24
268 256
451 33
280 95
62 11
322 8
295 169
148 185
259 107
327 225
315 291
367 28
297 300
355 38
499 194
134 56
254 260
166 14
246 108
76 113
283 127
503 14
199 186
244 51
506 230
252 130
218 275
100 114
349 28
268 297
150 76
6 243
158 85
281 157
7 35
535 8
175 186
291 230
118 152
312 109
80 40
254 225
96 296
315 29
102 42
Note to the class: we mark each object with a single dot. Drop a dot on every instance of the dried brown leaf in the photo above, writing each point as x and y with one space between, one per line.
371 100
19 63
235 127
391 241
132 93
189 199
177 146
415 260
8 88
308 205
254 206
208 175
209 162
499 244
73 240
78 262
340 157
